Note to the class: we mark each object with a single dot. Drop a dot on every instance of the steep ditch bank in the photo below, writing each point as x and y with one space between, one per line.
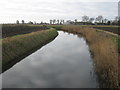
17 47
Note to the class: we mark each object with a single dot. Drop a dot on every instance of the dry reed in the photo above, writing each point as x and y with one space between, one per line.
105 54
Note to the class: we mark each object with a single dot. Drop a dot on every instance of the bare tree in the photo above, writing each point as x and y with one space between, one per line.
108 22
58 21
23 22
30 22
99 19
105 20
54 21
17 22
91 20
85 18
117 19
51 21
96 20
75 21
41 22
63 21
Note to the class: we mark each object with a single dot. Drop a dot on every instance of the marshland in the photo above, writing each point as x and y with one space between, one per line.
59 44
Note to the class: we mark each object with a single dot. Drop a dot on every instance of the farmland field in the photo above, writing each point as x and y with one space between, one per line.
11 30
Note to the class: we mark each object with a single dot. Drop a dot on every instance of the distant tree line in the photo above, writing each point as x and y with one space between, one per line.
54 21
23 22
86 20
30 22
99 20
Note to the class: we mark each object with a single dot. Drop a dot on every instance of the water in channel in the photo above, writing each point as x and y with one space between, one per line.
63 63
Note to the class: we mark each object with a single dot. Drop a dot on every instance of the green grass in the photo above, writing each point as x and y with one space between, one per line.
117 41
57 27
115 38
99 31
19 46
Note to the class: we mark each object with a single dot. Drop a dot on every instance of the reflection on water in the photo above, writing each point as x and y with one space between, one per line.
63 63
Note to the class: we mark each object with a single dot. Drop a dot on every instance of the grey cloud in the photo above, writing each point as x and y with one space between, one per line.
48 9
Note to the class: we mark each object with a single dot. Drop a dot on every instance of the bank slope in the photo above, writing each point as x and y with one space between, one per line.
17 47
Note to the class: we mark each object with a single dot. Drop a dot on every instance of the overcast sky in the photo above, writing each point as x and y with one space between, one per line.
44 10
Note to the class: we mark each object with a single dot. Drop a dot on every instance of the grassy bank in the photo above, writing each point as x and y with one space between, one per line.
104 52
17 47
115 37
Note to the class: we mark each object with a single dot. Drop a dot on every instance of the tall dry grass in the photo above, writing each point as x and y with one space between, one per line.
13 48
104 52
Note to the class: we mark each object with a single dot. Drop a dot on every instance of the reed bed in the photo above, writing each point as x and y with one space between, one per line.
104 52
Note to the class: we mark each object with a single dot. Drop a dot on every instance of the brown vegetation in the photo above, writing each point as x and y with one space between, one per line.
105 54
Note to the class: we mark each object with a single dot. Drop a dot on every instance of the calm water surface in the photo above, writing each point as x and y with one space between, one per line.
63 63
